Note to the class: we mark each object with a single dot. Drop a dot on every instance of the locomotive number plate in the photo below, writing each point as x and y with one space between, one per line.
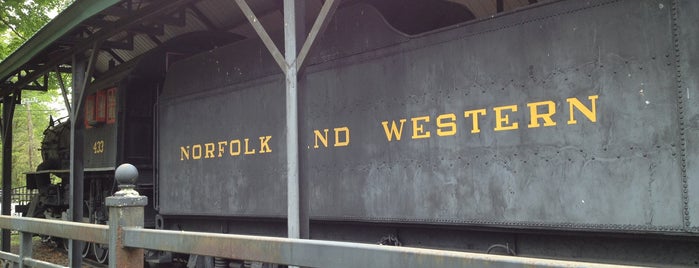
98 147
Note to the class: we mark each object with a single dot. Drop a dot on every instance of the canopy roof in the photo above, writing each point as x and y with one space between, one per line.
125 29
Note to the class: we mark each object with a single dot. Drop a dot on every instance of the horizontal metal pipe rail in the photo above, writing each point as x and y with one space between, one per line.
318 253
64 229
306 253
127 240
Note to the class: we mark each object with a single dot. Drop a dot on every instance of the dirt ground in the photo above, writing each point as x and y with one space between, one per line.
45 251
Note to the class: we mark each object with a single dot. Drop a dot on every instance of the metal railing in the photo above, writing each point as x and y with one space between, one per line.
27 227
127 240
22 195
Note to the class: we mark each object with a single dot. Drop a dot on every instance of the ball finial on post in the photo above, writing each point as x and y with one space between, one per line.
126 175
125 210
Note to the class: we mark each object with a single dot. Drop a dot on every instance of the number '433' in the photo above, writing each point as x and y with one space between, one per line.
98 147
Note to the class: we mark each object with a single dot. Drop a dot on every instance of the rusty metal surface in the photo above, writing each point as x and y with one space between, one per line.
71 230
317 253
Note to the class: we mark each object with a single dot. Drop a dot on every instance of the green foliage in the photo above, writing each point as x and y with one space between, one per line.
19 20
30 120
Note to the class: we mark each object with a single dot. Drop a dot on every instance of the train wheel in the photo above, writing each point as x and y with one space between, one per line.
65 244
62 243
86 249
101 252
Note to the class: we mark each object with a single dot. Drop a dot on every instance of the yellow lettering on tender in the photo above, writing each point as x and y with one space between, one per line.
418 129
446 121
264 144
322 137
221 147
475 114
234 149
184 153
535 115
591 113
394 131
502 121
339 143
196 151
209 150
247 148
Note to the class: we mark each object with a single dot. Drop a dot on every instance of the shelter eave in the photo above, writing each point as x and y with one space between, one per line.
51 32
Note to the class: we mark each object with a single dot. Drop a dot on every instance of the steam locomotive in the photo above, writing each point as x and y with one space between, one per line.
562 130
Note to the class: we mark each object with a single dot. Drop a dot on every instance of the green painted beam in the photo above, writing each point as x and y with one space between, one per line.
55 29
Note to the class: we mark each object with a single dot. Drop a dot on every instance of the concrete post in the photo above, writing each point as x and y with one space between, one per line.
125 209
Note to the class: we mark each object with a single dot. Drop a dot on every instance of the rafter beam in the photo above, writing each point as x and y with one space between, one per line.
96 22
65 70
202 18
37 86
155 39
156 28
115 56
125 44
177 18
117 11
145 14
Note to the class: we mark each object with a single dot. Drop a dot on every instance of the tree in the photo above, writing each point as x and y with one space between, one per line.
19 20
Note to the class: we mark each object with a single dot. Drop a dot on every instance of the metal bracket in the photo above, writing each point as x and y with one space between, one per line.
276 54
64 92
322 21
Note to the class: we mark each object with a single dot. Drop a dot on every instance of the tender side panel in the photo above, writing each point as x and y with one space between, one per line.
688 93
234 163
222 152
618 171
617 166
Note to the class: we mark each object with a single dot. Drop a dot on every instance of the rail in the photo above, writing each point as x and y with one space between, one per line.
22 195
127 240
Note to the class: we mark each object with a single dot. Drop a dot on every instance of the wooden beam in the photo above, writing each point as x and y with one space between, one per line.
177 18
117 11
155 40
202 18
145 14
115 56
126 44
